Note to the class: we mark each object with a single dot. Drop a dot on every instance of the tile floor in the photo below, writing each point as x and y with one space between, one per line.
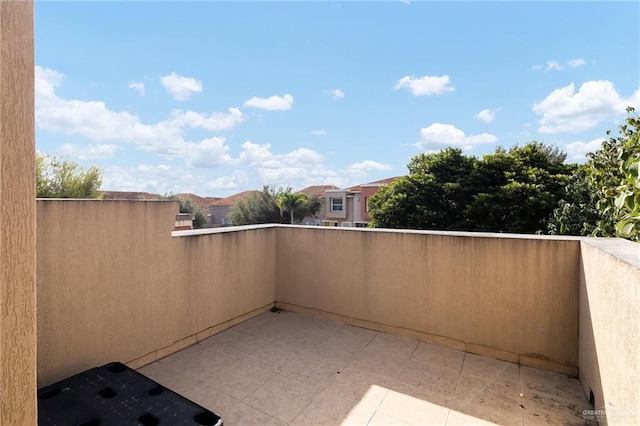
290 369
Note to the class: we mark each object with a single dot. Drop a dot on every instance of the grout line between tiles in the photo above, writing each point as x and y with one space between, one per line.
455 391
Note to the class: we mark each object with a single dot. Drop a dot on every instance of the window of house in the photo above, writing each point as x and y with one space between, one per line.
366 204
346 224
336 204
361 224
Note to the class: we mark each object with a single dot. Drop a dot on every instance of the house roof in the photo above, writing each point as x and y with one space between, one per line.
202 202
318 190
230 200
380 182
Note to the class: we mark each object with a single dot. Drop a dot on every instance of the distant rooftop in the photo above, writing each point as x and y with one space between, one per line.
318 190
385 181
230 200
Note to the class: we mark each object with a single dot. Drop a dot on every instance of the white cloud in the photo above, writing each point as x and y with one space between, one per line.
158 179
426 85
576 151
208 153
274 103
90 152
361 169
576 63
299 168
448 134
138 86
487 115
181 88
319 132
214 122
93 120
236 180
554 65
334 93
565 110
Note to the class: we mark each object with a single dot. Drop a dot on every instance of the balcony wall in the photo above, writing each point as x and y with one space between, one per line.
113 284
609 351
511 297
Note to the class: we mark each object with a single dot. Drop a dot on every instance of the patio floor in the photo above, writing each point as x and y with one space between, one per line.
285 368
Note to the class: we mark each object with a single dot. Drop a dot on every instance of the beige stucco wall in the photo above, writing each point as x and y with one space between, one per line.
609 359
513 294
115 285
17 216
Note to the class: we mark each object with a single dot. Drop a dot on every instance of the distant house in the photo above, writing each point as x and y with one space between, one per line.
350 207
184 222
319 191
219 209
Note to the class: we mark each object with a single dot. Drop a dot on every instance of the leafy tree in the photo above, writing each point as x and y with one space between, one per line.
258 207
188 206
269 206
291 202
508 191
518 189
576 213
609 182
309 208
62 178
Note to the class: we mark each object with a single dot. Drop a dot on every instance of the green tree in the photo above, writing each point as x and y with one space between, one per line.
291 202
188 206
62 178
518 189
310 208
604 199
258 207
269 206
576 213
508 191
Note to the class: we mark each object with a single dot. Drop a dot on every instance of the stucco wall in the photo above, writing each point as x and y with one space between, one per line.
17 217
513 297
114 285
609 359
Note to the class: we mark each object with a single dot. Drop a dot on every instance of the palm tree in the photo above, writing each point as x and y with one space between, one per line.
291 202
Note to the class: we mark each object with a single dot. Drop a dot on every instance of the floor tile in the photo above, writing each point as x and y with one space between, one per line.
413 410
433 383
242 414
281 398
285 368
209 395
242 378
381 419
438 355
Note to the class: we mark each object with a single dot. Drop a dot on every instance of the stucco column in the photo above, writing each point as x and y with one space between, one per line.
18 405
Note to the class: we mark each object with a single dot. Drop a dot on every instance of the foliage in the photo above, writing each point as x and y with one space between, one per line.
270 205
62 178
291 202
604 198
257 207
576 213
188 206
310 208
507 191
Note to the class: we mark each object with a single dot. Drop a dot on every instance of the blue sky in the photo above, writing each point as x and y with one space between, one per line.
219 97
